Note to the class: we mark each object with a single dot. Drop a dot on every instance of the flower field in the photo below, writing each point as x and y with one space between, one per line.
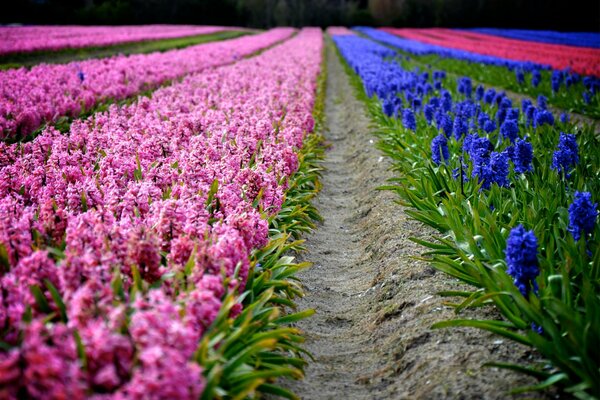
511 189
45 93
23 39
152 206
128 230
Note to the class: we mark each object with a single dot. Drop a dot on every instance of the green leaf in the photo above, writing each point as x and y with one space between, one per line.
58 300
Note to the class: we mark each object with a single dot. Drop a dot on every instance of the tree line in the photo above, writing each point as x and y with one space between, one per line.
577 15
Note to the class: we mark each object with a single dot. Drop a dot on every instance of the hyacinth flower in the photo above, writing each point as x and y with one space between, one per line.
536 78
564 118
479 92
567 156
542 117
525 104
510 130
521 258
489 96
497 170
439 149
489 126
428 111
460 127
521 156
556 80
520 75
542 102
408 119
465 87
582 215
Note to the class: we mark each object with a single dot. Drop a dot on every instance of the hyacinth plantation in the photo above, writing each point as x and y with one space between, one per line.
212 212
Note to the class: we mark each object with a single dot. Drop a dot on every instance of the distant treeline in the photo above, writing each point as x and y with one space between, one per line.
576 15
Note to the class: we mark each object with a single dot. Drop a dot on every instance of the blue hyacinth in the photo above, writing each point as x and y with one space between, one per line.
388 107
408 119
489 96
556 80
520 76
460 127
566 157
428 111
479 91
582 215
497 170
522 156
521 258
510 130
564 118
465 87
489 126
543 117
439 149
542 102
536 78
525 104
446 124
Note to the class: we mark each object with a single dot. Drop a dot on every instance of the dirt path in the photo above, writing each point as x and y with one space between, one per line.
375 304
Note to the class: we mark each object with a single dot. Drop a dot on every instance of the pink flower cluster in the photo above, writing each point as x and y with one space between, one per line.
28 98
131 193
24 39
339 31
583 60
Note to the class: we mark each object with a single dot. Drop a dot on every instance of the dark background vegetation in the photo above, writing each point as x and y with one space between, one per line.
577 15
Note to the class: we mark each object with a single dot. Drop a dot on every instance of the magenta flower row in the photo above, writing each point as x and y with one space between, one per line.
44 93
127 193
24 39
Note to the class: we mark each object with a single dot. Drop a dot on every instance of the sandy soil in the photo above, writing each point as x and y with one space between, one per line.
375 302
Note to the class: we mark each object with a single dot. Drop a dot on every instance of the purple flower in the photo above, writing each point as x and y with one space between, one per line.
566 157
408 119
460 127
522 156
543 117
479 92
428 112
521 258
542 102
582 215
510 130
489 96
439 149
489 126
536 78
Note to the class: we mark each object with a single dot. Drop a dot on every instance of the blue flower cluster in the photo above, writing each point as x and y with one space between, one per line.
420 48
567 155
582 215
406 94
521 258
582 39
559 78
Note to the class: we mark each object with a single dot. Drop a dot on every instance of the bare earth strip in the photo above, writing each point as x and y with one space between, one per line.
374 301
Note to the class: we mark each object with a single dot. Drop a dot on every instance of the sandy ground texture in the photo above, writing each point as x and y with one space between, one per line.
375 303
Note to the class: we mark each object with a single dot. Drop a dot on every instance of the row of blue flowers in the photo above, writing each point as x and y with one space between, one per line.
512 189
579 39
528 75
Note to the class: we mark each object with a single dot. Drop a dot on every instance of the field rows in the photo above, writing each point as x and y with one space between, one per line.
151 205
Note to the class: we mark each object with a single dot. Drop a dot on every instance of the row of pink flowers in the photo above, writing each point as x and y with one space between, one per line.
29 98
130 190
582 60
339 31
24 39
